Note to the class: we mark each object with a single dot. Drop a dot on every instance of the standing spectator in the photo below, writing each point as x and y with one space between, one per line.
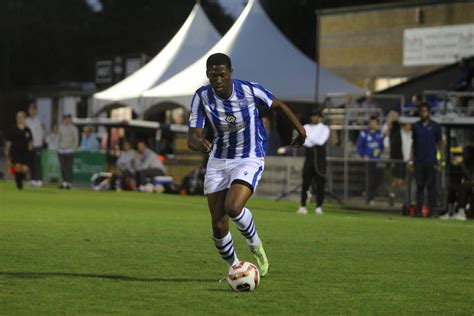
67 145
52 139
18 149
89 140
314 169
400 142
424 163
37 129
370 147
147 164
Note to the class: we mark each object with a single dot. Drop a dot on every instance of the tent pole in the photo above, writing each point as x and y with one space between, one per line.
317 55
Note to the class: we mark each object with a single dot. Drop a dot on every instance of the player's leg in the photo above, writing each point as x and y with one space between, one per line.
420 179
308 172
18 176
238 195
320 183
220 227
20 172
62 166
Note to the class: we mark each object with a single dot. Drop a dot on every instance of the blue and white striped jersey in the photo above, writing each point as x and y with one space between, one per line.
238 127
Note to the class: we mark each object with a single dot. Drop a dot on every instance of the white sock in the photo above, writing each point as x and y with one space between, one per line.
225 246
246 226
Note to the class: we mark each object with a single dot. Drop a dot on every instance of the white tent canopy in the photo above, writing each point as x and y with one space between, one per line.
260 53
194 39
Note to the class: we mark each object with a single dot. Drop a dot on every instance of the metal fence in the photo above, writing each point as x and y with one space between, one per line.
348 181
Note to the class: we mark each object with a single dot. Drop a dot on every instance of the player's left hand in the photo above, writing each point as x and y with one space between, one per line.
299 140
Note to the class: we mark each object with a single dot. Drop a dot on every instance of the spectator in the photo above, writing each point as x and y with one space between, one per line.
466 190
126 167
18 149
466 75
424 163
52 140
414 104
89 140
273 139
370 147
461 185
147 164
37 129
68 140
400 145
314 169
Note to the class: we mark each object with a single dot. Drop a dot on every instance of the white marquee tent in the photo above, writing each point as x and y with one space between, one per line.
193 40
260 53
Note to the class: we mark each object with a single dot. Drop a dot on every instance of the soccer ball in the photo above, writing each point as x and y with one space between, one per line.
243 277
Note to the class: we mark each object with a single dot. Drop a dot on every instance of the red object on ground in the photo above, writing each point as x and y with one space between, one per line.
424 211
11 170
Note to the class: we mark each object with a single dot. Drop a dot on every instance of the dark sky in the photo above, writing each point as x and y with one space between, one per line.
52 41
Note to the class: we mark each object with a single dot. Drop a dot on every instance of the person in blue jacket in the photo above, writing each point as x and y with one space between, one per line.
370 148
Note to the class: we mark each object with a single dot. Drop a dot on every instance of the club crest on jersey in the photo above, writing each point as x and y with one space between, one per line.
229 118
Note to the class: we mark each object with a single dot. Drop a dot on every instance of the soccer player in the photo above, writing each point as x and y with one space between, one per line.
230 107
18 148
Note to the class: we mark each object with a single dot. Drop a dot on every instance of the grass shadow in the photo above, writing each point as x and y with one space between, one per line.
115 277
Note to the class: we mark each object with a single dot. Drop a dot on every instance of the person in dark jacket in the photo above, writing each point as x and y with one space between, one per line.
427 141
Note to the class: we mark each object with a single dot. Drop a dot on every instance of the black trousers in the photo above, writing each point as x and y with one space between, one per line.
425 177
314 174
36 169
66 162
374 176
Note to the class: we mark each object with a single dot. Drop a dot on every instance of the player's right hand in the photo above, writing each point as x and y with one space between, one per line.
206 146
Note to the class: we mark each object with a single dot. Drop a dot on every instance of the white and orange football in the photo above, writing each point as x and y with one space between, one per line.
243 277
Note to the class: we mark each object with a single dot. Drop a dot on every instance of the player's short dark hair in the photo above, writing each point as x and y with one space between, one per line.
425 105
218 59
316 112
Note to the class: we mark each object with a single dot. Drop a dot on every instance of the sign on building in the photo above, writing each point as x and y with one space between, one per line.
103 72
437 45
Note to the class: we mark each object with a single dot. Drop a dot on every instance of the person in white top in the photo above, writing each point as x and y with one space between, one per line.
314 169
52 140
39 133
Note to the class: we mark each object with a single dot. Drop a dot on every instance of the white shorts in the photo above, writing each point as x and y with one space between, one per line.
220 173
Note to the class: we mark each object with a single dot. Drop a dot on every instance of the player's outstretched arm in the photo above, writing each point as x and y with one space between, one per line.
197 141
300 139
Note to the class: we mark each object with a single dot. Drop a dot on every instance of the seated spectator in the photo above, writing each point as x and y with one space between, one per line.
124 177
89 140
147 164
462 187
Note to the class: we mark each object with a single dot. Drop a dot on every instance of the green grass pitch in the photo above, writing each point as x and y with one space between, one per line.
82 252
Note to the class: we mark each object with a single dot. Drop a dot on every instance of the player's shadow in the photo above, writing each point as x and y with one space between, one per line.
116 277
